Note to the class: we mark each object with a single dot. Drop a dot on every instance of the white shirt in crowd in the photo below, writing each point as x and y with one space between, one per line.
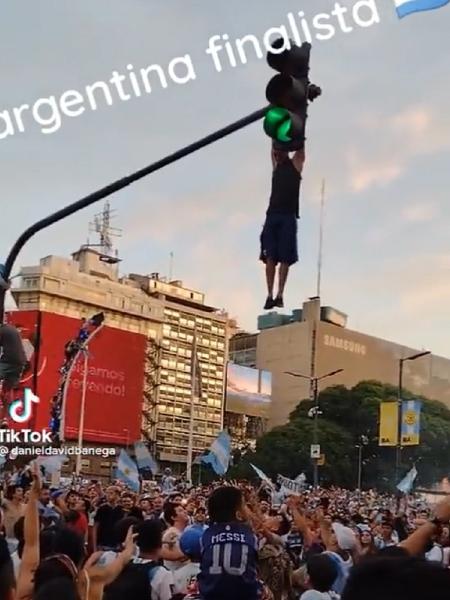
171 538
185 577
436 554
161 581
315 595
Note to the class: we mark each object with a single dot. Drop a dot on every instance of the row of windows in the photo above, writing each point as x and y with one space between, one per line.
199 415
187 320
180 350
177 409
184 335
208 385
203 427
179 443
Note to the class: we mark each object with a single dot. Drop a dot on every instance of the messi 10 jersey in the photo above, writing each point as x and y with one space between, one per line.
228 564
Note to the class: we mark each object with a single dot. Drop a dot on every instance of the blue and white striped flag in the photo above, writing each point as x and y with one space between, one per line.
219 454
406 484
263 476
144 459
407 7
51 464
127 471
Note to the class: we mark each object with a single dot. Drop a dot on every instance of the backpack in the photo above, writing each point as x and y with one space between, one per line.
134 582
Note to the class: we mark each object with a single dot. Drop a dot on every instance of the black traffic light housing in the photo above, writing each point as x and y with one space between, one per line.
289 93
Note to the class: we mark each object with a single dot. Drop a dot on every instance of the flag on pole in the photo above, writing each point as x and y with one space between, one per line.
262 476
196 373
407 7
127 471
144 459
406 484
411 422
51 464
219 454
388 432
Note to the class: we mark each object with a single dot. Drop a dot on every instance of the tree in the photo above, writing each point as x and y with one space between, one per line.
347 414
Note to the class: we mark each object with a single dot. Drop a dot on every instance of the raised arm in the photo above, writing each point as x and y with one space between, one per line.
417 542
300 521
30 556
298 160
274 161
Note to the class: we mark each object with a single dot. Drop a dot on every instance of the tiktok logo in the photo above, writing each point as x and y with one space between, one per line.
20 410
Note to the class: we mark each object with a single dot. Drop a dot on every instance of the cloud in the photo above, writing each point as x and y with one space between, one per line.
396 141
420 212
365 175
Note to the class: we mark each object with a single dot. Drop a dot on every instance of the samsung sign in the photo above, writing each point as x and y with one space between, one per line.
347 345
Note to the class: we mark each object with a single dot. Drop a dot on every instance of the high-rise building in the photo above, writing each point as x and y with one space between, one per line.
292 343
169 315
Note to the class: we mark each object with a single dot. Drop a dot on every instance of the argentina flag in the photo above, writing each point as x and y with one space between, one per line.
144 459
407 7
127 471
219 454
406 484
411 410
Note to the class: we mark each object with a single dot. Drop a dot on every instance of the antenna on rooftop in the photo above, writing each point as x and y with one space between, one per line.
102 226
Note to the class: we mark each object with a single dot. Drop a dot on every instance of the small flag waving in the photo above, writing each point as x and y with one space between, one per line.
219 454
51 464
196 373
407 7
406 484
127 471
262 476
144 459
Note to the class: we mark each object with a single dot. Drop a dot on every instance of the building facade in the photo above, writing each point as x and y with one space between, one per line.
286 343
169 315
246 423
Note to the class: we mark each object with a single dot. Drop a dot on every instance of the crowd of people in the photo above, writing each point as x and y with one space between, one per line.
224 541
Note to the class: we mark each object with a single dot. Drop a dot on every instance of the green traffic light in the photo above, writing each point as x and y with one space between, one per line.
278 124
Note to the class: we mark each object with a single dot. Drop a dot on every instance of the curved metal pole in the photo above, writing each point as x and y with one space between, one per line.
83 349
82 412
115 187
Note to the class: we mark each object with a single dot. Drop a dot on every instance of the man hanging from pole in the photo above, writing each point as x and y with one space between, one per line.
279 234
13 362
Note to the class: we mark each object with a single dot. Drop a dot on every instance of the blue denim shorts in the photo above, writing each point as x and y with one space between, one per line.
279 239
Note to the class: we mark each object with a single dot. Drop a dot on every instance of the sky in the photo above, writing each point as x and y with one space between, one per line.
379 136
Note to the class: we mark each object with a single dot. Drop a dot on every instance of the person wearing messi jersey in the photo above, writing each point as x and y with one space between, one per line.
229 550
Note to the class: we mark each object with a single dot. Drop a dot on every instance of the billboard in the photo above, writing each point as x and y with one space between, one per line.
114 380
249 391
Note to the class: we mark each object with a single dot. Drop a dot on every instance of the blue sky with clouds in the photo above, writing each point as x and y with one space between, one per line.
380 135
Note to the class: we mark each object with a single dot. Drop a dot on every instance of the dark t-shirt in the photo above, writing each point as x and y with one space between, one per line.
228 564
106 518
134 512
12 351
285 189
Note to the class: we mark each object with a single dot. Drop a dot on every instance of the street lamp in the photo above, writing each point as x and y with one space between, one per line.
363 441
314 381
398 456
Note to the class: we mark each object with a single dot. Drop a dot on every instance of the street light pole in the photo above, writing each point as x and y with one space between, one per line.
314 385
359 467
398 454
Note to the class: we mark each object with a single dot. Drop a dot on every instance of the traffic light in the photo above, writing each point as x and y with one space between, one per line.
289 93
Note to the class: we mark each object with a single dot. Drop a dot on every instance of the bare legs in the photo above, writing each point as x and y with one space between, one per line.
271 269
270 276
282 278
